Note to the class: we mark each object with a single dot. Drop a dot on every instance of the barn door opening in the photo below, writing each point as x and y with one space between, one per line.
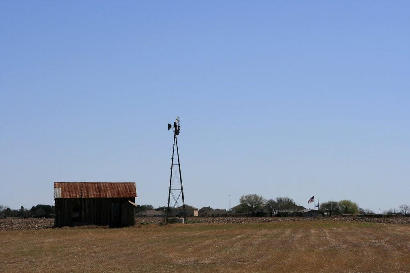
76 213
115 214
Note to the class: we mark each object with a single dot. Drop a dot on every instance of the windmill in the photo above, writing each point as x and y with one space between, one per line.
176 188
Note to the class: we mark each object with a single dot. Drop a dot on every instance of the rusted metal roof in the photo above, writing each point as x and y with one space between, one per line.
94 189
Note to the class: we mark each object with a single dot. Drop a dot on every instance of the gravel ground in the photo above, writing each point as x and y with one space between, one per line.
25 224
43 223
244 220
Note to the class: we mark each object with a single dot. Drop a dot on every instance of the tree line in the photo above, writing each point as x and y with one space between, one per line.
249 205
38 211
256 205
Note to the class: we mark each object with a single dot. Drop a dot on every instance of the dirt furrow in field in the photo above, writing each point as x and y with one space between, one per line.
322 246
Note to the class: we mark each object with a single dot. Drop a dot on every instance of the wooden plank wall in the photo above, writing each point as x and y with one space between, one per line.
115 212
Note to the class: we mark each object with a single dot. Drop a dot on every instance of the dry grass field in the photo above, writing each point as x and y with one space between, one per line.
290 246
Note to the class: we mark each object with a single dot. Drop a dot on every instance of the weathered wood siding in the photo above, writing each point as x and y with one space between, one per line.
115 212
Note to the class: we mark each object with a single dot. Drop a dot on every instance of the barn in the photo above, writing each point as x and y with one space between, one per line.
94 203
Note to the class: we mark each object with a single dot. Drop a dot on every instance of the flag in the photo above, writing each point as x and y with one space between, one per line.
311 199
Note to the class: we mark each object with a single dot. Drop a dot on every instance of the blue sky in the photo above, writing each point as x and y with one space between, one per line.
276 98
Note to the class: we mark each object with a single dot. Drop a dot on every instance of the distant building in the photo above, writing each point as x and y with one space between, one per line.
189 210
94 203
179 211
210 212
312 213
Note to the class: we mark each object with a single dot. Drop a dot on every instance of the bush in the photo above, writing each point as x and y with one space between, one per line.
42 211
348 207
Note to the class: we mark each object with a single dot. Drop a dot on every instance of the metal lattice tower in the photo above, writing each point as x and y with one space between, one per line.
176 188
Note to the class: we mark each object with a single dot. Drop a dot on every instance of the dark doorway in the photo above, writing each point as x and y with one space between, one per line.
115 214
76 213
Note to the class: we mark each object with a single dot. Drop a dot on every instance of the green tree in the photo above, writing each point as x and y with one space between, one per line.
271 206
22 212
239 209
142 208
285 203
205 211
348 207
252 202
40 210
3 211
331 207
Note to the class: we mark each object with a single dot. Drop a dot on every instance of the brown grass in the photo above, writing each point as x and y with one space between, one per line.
303 246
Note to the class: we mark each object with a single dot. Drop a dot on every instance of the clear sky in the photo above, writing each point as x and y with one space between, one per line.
278 98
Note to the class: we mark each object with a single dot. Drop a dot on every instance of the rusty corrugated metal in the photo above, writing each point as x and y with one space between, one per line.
94 189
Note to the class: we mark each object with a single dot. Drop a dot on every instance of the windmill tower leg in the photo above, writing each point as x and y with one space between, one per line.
170 181
180 182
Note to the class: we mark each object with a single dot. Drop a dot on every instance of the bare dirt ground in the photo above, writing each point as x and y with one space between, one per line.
282 246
